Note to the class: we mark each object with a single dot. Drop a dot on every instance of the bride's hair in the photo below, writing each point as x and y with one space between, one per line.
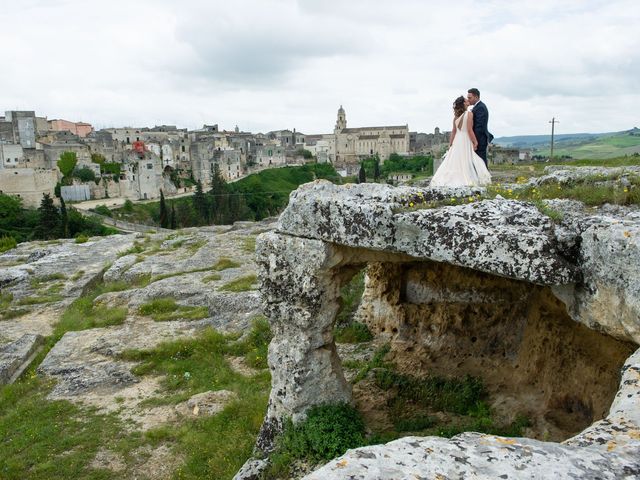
458 106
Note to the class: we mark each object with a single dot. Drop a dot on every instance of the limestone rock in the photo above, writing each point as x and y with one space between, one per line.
507 238
15 356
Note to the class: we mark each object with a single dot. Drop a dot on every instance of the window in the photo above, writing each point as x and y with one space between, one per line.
149 166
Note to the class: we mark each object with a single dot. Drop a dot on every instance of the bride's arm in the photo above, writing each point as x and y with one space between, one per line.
453 133
472 135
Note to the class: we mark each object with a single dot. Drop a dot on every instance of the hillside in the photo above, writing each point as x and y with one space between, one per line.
579 145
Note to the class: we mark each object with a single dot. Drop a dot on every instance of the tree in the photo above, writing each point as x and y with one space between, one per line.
172 217
67 163
48 225
376 168
220 197
362 177
85 174
164 215
200 204
64 219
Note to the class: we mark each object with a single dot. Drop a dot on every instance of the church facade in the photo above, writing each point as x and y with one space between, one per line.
348 146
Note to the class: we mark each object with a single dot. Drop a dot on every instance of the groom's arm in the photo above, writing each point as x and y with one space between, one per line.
481 119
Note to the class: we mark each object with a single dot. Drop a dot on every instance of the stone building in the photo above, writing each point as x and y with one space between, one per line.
498 155
429 143
271 155
81 129
348 146
28 183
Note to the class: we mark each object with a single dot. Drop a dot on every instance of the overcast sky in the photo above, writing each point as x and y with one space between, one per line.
273 64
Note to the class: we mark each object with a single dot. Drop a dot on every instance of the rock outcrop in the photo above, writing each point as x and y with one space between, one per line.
588 261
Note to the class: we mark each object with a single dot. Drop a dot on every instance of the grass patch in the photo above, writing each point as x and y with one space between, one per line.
7 243
42 439
350 294
5 300
136 248
166 309
377 361
212 278
82 314
13 313
38 299
355 332
224 264
456 395
213 447
241 284
249 243
38 281
77 276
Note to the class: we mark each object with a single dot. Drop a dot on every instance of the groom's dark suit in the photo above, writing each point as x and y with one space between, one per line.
480 122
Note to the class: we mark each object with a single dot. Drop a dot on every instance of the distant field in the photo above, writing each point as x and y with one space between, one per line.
583 146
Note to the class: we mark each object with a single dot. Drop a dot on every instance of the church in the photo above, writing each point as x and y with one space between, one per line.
348 146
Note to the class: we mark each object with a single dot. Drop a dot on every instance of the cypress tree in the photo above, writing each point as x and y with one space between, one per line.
164 215
48 219
200 204
376 168
362 176
64 219
172 221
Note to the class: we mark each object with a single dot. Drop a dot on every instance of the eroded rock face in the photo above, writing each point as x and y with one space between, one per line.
608 449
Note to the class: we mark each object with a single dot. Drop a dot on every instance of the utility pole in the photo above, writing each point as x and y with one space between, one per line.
553 122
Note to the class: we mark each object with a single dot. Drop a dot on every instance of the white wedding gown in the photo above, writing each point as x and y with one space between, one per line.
461 166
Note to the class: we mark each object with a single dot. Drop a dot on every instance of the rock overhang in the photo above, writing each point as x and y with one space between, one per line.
503 237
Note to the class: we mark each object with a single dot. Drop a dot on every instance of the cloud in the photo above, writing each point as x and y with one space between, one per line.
267 64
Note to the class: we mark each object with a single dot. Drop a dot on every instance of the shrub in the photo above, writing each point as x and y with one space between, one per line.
328 432
82 239
7 243
103 210
84 174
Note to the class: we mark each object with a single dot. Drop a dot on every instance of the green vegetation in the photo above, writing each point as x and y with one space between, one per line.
254 197
213 447
66 165
82 314
249 243
43 439
7 243
103 210
225 263
47 222
346 330
82 239
166 309
241 284
38 299
355 332
376 362
328 432
212 278
12 313
396 163
84 174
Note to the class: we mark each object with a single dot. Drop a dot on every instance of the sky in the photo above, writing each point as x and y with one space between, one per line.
274 64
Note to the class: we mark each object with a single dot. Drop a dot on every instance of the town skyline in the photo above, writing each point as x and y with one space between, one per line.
290 64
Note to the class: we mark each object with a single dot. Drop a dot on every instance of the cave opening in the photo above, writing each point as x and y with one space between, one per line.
452 349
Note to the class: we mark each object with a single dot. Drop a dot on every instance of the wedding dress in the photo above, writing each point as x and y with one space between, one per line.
461 166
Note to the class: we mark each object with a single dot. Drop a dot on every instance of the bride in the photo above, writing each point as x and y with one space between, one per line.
461 166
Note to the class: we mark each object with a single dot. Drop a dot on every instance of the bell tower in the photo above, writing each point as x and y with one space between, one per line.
341 124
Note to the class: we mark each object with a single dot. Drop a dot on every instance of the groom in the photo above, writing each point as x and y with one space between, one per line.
480 121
